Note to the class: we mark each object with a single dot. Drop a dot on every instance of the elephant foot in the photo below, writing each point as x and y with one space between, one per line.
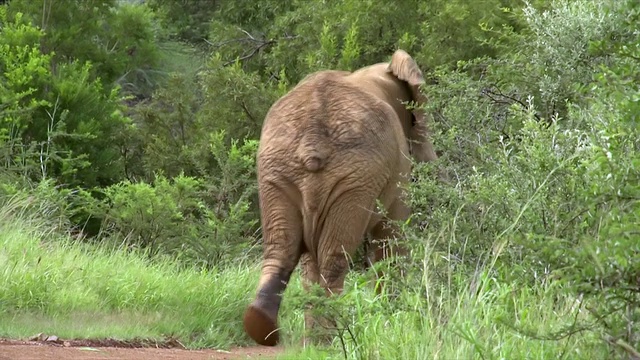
261 327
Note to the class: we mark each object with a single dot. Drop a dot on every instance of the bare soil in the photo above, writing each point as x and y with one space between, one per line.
50 347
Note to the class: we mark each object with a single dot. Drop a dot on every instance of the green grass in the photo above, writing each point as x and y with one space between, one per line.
50 284
454 324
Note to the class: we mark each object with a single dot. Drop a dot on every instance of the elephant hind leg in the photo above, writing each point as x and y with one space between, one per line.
282 233
310 277
343 232
384 235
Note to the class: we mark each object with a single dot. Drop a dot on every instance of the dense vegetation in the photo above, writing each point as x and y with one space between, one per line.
128 132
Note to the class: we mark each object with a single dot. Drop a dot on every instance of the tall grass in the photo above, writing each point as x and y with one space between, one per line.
470 318
51 284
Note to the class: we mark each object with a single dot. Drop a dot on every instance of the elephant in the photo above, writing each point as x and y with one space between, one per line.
331 151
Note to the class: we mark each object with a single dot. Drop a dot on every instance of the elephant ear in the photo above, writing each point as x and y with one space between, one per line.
405 68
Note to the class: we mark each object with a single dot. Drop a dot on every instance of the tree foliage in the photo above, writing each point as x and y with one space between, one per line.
544 154
141 119
62 124
118 39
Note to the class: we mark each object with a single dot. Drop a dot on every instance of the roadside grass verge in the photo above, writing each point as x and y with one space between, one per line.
49 283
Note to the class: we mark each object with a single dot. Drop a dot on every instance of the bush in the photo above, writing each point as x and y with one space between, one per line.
553 60
207 221
59 124
117 38
539 196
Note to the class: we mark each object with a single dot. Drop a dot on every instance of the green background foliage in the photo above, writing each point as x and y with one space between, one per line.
134 125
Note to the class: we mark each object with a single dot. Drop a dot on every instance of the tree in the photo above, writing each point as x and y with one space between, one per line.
118 39
60 122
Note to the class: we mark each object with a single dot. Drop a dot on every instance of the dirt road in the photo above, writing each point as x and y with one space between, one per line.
32 350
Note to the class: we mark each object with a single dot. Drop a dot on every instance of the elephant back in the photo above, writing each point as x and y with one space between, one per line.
326 121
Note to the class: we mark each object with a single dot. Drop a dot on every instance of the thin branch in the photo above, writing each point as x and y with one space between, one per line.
250 54
575 322
246 111
493 94
633 353
260 44
230 41
248 35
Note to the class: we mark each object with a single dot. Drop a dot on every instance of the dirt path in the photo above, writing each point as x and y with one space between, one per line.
82 350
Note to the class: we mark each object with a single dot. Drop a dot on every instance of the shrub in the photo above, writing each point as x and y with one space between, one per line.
540 196
553 60
59 124
207 220
117 38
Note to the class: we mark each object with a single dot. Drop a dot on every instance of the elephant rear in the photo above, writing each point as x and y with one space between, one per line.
327 138
329 150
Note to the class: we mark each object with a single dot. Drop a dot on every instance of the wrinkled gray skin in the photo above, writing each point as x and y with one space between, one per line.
330 149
